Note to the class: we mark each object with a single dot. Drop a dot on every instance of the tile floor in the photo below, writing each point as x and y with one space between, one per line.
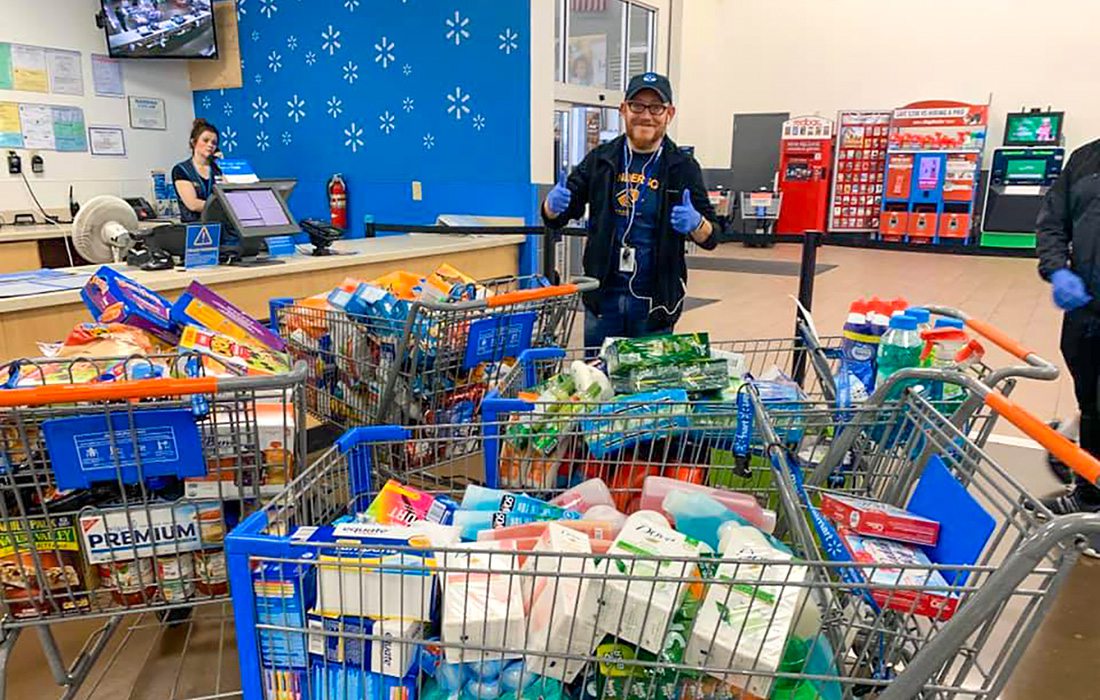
1061 662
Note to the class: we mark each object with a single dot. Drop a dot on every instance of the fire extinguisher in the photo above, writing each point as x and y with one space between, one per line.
338 201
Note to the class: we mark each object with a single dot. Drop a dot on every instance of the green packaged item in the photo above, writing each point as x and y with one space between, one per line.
625 354
618 677
692 376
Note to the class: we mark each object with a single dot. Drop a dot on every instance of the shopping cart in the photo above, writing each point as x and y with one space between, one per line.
319 610
115 497
430 364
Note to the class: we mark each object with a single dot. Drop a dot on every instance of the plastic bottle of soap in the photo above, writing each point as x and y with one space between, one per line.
656 488
585 495
699 516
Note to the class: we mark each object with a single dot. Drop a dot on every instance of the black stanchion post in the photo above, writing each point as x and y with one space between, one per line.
549 257
807 271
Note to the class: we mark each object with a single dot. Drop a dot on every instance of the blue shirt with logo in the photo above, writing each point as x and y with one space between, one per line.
637 193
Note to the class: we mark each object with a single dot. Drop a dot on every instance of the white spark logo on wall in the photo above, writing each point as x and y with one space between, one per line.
206 101
274 61
479 122
351 72
228 109
297 108
508 41
456 28
259 110
429 141
387 123
354 139
287 138
259 78
262 142
228 140
408 104
292 42
255 35
351 5
241 10
407 69
335 106
458 105
385 52
311 58
330 40
268 8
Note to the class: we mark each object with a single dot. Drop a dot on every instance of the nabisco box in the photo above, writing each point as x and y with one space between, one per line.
865 517
146 531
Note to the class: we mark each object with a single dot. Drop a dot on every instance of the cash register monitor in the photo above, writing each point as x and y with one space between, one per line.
248 213
283 187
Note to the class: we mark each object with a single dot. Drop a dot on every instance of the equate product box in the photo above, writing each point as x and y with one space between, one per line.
115 298
365 643
201 306
639 611
157 530
482 603
901 585
368 570
563 605
865 517
743 624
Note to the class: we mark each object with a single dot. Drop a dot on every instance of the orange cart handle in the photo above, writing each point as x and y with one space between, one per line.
521 295
1001 339
107 391
1058 445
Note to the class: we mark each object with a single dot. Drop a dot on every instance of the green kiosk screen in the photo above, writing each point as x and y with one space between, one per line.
1029 169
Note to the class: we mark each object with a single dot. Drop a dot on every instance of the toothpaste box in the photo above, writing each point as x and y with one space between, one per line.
932 600
563 606
201 306
283 592
159 530
865 517
378 571
114 298
743 623
482 603
381 646
639 611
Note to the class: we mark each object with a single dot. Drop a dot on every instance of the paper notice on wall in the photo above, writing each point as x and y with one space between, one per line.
37 125
11 136
107 76
5 66
68 129
66 72
28 67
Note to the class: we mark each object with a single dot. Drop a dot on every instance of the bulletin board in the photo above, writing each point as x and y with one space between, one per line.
42 127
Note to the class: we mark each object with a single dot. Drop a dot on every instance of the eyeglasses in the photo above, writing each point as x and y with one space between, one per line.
655 108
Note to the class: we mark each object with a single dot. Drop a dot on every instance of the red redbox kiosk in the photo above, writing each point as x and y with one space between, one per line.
805 161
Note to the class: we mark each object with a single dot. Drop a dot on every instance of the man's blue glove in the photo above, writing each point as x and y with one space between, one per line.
559 198
684 217
1069 290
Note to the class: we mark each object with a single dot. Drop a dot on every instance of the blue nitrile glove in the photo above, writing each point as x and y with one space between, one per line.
684 217
559 198
1069 290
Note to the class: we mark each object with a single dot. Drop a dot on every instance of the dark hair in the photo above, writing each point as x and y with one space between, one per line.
198 127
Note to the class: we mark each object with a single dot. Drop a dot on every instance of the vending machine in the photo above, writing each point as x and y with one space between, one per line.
932 165
805 163
1019 177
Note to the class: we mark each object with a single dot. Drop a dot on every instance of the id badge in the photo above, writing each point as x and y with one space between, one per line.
626 259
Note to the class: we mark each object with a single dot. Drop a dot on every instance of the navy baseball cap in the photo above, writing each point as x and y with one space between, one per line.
650 81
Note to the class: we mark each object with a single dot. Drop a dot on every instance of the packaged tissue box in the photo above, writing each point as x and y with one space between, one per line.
934 600
641 611
115 298
201 306
377 570
624 354
482 603
743 625
865 517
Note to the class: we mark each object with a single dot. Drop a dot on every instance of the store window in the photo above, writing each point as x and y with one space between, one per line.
641 40
594 51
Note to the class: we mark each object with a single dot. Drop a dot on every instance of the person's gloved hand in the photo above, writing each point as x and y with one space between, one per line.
684 217
1069 290
559 198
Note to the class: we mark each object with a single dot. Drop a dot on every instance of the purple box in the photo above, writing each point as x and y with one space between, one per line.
115 298
201 306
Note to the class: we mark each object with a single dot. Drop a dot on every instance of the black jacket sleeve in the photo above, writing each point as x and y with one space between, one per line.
693 175
1054 227
579 183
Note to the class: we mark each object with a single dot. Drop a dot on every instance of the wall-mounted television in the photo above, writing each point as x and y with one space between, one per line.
1033 128
160 28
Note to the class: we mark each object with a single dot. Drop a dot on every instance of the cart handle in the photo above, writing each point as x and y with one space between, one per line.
521 295
1057 444
143 389
1047 369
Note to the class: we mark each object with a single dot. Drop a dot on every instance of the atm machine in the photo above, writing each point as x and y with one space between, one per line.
1020 174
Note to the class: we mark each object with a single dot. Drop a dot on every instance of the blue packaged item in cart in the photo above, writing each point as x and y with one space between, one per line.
284 591
115 298
286 683
341 682
628 420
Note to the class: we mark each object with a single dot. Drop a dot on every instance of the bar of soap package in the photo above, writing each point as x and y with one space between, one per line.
625 354
640 611
482 602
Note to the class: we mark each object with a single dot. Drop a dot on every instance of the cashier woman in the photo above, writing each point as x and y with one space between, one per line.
645 199
194 177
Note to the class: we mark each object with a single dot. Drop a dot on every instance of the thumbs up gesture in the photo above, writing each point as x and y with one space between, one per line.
684 217
559 198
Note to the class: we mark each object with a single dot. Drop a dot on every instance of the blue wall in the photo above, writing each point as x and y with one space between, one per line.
444 100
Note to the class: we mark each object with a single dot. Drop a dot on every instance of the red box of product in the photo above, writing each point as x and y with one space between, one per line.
865 517
901 577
